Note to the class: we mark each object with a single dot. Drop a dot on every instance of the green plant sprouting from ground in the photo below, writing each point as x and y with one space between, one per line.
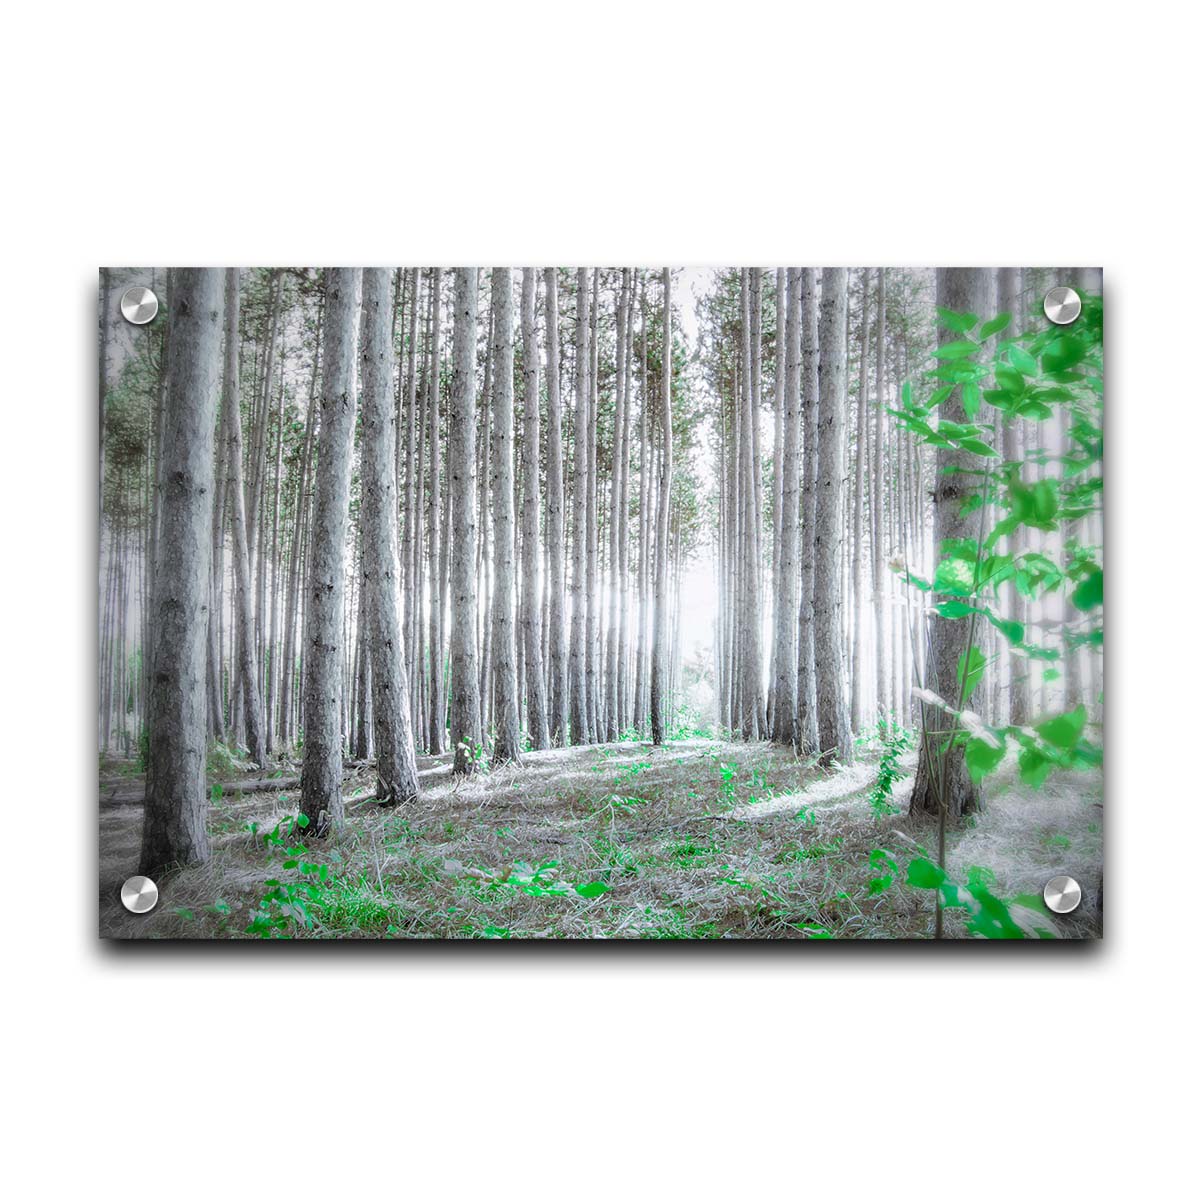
290 899
896 741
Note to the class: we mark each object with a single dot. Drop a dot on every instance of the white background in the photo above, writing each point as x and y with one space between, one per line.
912 133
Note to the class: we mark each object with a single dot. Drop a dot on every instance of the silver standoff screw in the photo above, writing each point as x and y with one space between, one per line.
1062 305
1062 894
139 305
139 894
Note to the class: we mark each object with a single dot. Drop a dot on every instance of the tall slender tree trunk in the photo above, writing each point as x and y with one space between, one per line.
644 482
580 724
858 667
833 724
287 731
623 673
658 662
321 774
394 749
878 540
941 769
173 829
465 733
777 478
531 613
751 614
437 741
555 524
247 666
412 531
507 747
612 667
806 683
784 728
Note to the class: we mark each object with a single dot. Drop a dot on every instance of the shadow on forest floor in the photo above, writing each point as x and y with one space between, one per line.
694 839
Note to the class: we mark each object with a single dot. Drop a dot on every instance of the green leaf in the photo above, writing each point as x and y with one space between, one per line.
1022 360
1034 766
982 757
1090 592
954 577
957 322
906 394
970 399
1064 731
588 890
942 393
924 874
1011 381
955 609
1013 630
1063 353
997 323
970 670
955 350
975 446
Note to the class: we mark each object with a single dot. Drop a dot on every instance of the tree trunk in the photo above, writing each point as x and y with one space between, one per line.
437 741
507 747
321 776
555 525
941 770
531 613
857 668
580 724
394 750
465 733
750 617
247 664
658 661
833 724
786 658
173 829
806 681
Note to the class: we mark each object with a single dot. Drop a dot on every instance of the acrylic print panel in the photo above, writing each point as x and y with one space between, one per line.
601 603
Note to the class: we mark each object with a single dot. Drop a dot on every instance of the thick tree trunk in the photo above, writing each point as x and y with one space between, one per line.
942 770
833 724
531 613
658 661
507 747
173 828
394 750
465 733
321 776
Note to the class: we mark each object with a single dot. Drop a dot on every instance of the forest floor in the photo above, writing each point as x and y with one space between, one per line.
693 839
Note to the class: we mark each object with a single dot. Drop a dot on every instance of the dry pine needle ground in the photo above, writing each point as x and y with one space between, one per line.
694 839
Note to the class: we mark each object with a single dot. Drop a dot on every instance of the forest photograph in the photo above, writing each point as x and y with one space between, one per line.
600 603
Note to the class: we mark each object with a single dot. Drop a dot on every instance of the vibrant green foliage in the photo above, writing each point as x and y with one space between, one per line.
988 915
1036 373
